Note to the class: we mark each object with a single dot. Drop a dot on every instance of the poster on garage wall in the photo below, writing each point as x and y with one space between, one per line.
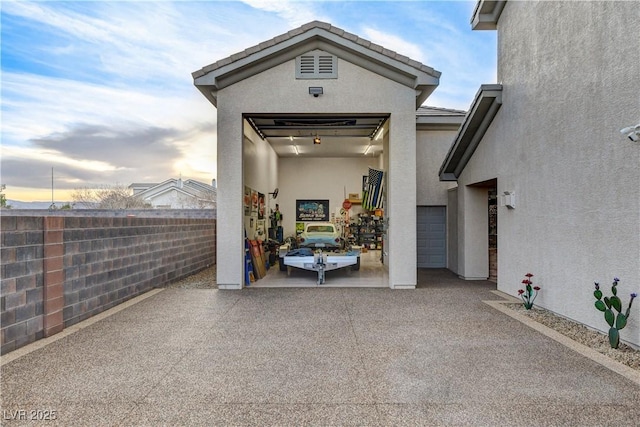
247 201
261 206
254 203
312 210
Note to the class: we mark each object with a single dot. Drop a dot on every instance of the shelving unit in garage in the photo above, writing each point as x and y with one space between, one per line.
369 230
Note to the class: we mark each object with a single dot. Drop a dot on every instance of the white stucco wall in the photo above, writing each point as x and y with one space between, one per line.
319 178
431 148
570 76
473 234
230 225
165 199
355 90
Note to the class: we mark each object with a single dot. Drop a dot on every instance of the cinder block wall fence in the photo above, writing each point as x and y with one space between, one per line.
59 270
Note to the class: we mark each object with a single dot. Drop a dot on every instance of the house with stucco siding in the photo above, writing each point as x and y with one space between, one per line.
546 139
177 194
534 177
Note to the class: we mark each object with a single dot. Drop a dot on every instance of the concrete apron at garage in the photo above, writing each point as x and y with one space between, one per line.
372 274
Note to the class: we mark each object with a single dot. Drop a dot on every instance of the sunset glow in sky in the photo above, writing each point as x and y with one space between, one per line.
102 91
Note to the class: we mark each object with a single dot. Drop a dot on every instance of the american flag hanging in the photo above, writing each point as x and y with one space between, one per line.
374 195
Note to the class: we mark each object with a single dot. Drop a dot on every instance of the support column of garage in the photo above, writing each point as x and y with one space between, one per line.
230 213
401 201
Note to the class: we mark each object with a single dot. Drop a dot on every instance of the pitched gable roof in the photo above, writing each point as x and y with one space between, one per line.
189 187
316 35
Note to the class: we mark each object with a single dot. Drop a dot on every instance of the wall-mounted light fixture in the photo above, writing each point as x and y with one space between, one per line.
632 132
316 140
316 91
508 199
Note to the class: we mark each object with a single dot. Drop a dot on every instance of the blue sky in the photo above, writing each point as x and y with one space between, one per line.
102 91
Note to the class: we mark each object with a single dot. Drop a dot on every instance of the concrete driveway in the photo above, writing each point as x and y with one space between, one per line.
376 357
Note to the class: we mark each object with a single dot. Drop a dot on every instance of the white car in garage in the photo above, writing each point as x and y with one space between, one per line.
321 235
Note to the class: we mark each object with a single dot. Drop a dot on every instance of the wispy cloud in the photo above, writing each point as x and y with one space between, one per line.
394 42
295 13
102 91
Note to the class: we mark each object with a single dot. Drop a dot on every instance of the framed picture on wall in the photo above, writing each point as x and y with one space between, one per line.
312 210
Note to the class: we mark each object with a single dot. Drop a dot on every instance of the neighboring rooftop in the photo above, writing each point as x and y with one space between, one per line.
435 118
426 110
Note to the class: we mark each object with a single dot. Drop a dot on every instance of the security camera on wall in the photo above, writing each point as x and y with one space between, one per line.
632 132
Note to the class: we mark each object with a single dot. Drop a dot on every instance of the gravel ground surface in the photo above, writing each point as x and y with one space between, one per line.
206 279
580 333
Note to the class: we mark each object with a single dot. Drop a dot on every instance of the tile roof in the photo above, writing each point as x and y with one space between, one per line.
437 111
307 27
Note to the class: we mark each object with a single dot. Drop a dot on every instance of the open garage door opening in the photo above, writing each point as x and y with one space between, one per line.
324 200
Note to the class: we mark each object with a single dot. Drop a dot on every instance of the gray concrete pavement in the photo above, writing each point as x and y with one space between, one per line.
434 356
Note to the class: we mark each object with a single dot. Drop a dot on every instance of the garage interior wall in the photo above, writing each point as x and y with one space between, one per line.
319 178
260 173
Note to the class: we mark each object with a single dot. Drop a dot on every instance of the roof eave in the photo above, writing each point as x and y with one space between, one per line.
424 91
210 92
439 122
401 69
486 14
484 108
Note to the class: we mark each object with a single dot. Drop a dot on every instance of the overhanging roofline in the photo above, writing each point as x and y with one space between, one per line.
434 118
484 108
439 123
486 14
311 36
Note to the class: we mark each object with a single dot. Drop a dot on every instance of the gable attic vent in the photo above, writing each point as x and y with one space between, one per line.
316 65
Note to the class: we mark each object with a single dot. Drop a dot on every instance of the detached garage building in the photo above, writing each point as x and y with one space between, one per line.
364 104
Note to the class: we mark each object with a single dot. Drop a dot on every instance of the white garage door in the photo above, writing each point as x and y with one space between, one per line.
432 248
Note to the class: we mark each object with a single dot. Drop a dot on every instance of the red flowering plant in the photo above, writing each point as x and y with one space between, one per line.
529 293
